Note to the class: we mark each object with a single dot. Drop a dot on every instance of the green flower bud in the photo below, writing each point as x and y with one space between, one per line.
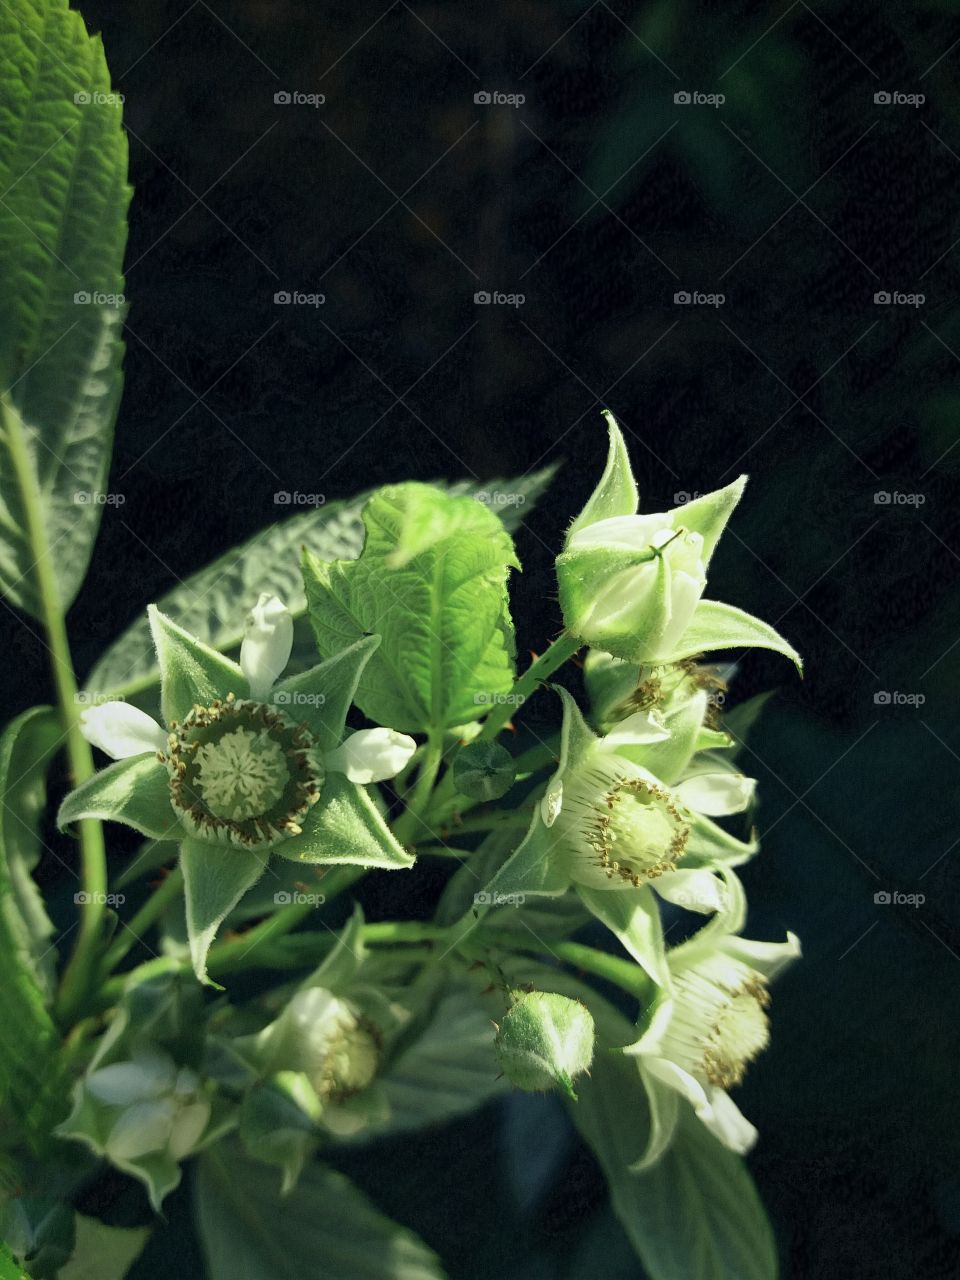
545 1040
484 771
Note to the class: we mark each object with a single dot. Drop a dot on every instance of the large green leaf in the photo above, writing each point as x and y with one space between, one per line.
25 752
102 1252
63 175
214 602
28 1038
325 1229
696 1214
431 582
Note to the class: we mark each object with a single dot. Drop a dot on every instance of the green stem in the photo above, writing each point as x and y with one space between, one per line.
151 911
555 655
500 820
93 879
408 823
625 974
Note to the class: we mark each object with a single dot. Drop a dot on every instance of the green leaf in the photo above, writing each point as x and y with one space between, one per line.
25 753
191 672
135 792
214 602
723 626
28 1038
696 1215
63 172
102 1252
616 494
448 1069
345 826
325 1229
431 582
215 879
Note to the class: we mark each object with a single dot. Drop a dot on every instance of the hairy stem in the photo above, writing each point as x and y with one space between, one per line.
554 656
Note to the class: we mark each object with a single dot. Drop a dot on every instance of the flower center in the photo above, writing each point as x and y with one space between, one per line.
720 1022
627 828
242 773
351 1062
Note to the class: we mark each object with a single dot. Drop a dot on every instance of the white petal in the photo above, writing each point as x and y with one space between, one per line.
142 1129
682 1081
716 794
767 957
637 730
698 890
727 1122
121 730
119 1084
188 1126
625 533
267 642
371 755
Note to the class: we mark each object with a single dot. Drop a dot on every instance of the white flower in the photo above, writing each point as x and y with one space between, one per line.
708 1027
267 642
369 755
163 1109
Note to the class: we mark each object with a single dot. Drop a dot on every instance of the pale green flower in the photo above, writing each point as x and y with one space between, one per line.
246 766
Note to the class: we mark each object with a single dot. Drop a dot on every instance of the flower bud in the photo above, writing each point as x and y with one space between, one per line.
327 1039
484 771
545 1040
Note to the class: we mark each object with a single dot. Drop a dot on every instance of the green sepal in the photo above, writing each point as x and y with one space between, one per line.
190 671
710 846
616 493
327 691
632 916
345 826
708 514
279 1124
135 792
722 626
215 878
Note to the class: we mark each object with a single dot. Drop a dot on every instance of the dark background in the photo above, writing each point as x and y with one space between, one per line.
799 198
